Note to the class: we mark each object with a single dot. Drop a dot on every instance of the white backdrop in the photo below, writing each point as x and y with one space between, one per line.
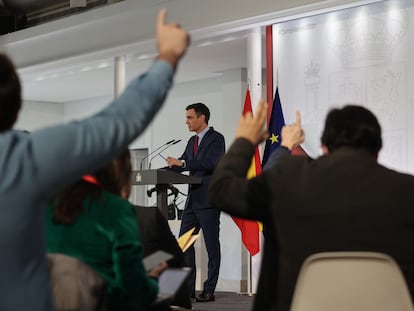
362 55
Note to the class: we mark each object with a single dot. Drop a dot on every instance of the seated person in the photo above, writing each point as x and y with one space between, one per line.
155 234
89 220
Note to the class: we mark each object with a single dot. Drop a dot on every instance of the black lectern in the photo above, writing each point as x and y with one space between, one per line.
161 178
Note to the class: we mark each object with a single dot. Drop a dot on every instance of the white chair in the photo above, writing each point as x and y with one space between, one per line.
351 281
75 285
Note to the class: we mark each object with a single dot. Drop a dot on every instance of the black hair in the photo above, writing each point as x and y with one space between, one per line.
352 126
200 109
113 177
10 93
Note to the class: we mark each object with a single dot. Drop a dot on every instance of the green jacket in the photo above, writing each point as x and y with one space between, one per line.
105 236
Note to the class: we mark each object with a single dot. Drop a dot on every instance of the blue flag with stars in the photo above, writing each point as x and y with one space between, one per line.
277 121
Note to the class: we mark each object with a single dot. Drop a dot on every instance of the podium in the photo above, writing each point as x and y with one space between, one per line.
161 178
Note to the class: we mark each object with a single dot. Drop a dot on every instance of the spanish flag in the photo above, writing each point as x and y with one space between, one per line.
250 229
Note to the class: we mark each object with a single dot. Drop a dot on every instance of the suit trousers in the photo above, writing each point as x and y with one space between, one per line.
208 219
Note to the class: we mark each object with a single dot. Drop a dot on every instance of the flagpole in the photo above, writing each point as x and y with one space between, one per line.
254 76
250 293
277 77
249 287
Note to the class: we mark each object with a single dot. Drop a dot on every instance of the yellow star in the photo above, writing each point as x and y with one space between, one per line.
274 138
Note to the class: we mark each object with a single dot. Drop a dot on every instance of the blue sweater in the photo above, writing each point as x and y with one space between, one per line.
35 166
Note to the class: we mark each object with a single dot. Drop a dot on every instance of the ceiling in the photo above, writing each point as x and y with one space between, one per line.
79 80
76 54
203 60
85 79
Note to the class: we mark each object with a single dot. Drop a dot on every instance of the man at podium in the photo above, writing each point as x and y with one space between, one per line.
200 158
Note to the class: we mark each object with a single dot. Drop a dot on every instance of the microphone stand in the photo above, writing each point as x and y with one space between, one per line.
155 150
159 153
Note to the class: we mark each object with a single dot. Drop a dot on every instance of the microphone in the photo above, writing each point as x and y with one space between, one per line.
155 150
150 191
159 153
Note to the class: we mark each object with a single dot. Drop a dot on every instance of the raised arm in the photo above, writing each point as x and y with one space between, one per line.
61 154
172 41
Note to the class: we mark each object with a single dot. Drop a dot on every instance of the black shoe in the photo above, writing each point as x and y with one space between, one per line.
205 297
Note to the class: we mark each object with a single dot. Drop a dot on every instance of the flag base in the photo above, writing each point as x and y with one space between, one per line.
246 294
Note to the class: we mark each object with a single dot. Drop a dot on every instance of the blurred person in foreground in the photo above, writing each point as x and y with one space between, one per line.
342 201
92 221
35 166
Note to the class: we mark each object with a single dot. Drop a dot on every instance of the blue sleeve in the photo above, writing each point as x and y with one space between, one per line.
275 157
63 153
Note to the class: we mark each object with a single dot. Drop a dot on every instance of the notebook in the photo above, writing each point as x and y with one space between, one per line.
153 260
170 281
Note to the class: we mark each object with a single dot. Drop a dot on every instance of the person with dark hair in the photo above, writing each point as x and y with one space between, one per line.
200 158
10 94
342 201
92 221
36 166
352 126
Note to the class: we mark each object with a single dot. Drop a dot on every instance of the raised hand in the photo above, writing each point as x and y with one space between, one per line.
172 40
293 135
253 127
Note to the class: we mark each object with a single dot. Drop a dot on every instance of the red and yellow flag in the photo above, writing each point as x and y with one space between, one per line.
250 229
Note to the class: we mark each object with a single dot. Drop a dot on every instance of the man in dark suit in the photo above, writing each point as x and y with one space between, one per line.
342 201
200 158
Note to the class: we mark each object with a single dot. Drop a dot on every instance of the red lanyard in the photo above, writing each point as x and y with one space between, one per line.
91 179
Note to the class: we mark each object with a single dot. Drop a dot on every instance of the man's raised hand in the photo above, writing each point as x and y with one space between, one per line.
252 127
172 40
293 135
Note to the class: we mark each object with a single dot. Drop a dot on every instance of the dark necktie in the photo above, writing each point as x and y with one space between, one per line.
195 145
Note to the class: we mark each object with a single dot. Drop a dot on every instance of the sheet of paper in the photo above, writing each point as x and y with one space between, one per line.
153 260
182 240
190 241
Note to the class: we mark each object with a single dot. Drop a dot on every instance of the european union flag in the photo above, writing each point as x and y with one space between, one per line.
277 121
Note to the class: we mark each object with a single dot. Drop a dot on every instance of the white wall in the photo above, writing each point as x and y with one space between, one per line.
35 115
327 61
83 108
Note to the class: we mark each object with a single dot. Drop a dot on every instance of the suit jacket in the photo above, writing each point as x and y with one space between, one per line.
344 201
210 151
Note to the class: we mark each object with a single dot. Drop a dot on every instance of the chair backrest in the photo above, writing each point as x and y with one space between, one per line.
75 286
345 281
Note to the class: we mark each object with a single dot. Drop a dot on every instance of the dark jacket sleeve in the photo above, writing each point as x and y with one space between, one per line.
231 192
